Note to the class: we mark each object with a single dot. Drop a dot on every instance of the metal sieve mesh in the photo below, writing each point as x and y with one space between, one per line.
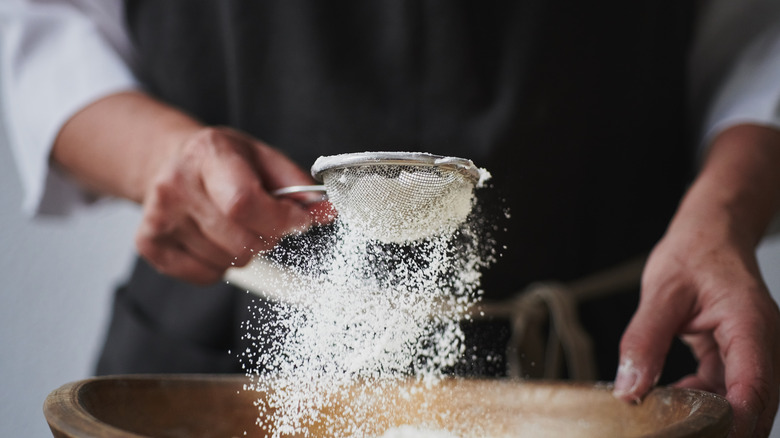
398 196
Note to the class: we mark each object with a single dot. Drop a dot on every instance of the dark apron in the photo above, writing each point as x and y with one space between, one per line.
576 108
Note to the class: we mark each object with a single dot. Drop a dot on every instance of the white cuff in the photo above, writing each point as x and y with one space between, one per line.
751 93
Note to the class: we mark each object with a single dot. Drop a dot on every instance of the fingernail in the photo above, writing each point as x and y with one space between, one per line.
626 381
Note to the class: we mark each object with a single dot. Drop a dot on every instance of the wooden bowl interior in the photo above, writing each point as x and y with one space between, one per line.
217 406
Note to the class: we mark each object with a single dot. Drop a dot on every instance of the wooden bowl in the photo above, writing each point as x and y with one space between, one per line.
217 406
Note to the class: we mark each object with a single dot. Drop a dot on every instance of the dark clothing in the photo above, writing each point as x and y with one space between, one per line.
163 325
576 108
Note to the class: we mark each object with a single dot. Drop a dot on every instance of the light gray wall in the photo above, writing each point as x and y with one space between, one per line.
769 259
58 275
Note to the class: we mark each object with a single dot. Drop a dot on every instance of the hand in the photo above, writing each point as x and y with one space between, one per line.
702 283
710 293
208 206
205 191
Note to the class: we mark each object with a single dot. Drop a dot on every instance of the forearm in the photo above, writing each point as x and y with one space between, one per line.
702 283
205 190
737 192
116 144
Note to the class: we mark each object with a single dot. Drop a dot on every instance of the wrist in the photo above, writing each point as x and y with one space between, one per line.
116 145
164 147
159 134
706 214
737 192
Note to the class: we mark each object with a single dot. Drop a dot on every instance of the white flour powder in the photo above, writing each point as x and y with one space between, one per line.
361 311
402 208
416 432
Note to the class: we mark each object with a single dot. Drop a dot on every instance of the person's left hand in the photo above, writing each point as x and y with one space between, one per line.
713 297
702 283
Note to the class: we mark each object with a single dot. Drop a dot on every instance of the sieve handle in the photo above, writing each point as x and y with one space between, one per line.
299 189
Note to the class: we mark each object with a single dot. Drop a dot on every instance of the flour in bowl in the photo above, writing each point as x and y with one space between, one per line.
407 431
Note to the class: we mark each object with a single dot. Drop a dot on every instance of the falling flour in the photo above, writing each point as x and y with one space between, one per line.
363 315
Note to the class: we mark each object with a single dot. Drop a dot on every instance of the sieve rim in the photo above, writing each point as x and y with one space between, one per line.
419 159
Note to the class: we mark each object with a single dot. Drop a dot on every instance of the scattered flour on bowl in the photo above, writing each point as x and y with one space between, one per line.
365 311
407 431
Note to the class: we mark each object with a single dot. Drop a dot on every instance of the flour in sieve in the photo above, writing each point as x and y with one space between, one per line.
402 205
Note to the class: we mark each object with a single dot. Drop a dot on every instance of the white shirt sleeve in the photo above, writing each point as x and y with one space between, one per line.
735 70
56 57
735 67
751 93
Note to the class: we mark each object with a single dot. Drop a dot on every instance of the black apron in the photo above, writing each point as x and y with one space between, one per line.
576 107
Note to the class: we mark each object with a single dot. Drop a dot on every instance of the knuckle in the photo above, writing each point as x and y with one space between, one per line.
241 205
210 223
208 135
156 225
757 395
762 394
159 217
230 241
210 140
152 250
198 148
168 191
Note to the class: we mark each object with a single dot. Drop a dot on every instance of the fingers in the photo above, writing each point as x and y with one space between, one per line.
173 242
750 357
642 352
730 322
170 258
174 246
239 197
209 208
646 341
738 358
240 187
190 238
710 372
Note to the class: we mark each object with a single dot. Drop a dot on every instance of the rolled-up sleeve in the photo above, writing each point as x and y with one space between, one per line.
735 70
751 92
735 67
55 59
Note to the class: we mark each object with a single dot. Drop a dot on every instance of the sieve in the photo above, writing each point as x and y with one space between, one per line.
396 196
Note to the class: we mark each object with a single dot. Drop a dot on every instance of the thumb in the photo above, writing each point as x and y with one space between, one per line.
645 344
278 171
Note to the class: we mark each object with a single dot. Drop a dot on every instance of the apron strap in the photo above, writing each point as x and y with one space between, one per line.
545 327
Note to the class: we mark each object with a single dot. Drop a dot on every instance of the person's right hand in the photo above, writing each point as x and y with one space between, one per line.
205 191
208 206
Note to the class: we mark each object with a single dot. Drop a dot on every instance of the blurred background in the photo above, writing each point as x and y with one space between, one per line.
58 277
